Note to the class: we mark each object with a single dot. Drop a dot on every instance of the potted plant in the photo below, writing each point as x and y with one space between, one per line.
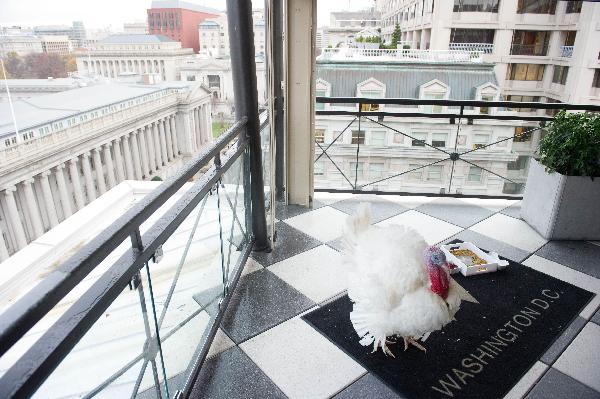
562 195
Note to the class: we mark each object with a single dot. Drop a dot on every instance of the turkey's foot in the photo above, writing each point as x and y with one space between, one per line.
386 351
411 341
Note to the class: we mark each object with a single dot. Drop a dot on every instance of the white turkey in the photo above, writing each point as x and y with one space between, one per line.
399 286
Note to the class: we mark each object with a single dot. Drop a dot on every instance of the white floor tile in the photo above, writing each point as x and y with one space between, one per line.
526 383
510 230
432 229
580 360
571 276
301 362
491 204
330 198
409 201
317 273
221 343
324 224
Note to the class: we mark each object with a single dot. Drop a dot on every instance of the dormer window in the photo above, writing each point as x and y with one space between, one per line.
322 89
434 90
487 92
370 88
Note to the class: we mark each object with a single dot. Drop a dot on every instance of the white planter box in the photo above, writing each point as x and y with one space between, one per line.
561 207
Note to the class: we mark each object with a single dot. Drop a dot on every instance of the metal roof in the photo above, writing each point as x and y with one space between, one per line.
402 80
36 111
135 38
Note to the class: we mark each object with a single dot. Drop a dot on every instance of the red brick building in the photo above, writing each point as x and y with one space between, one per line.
178 20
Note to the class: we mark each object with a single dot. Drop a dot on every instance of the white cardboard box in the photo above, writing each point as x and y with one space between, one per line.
493 264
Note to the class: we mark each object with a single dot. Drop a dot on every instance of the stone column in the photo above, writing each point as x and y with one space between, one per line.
136 157
3 249
175 140
15 219
162 141
99 171
143 151
202 124
77 189
90 187
193 131
149 135
62 190
198 115
157 151
110 168
118 160
127 155
32 208
167 128
48 199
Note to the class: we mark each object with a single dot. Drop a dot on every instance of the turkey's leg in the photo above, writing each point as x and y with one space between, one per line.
415 343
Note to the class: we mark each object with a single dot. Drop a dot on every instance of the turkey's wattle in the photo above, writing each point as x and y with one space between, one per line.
439 280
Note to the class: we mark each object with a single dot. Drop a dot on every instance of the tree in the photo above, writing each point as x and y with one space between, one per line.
38 66
13 64
396 36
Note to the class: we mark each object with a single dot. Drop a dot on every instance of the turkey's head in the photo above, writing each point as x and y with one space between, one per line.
435 261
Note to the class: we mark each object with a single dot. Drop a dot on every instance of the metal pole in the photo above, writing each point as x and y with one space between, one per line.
278 118
241 42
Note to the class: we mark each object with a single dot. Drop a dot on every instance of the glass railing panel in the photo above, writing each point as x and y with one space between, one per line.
267 161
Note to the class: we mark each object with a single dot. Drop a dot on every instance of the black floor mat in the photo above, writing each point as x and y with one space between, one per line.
482 354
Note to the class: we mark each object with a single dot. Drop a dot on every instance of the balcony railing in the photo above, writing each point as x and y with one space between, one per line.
403 55
426 147
529 49
566 51
485 48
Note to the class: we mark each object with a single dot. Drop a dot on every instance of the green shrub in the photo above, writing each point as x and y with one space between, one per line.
571 146
156 178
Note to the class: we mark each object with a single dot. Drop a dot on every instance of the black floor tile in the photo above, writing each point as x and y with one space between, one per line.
283 211
367 387
261 301
596 317
578 255
563 341
381 208
456 212
556 385
232 375
289 242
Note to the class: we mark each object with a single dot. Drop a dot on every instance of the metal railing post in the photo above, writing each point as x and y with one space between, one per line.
241 41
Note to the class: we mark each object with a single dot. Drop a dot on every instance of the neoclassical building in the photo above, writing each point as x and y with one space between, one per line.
74 146
127 53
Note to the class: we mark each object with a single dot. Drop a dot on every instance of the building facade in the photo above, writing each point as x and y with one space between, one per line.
76 33
57 44
214 36
20 43
178 20
139 54
65 157
393 152
344 26
135 28
544 50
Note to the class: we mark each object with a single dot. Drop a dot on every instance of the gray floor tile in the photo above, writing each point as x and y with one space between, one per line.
578 255
367 387
283 211
490 244
455 211
596 317
513 210
290 242
580 360
381 208
556 385
261 301
337 244
563 341
232 375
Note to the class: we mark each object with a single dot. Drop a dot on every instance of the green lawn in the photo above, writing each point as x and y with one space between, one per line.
218 128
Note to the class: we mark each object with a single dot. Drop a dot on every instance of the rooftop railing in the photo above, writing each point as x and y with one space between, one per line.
529 49
566 51
427 147
399 55
485 48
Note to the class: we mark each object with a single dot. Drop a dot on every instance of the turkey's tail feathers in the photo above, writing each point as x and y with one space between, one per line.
358 222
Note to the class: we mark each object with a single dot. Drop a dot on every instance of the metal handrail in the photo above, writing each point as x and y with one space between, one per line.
17 320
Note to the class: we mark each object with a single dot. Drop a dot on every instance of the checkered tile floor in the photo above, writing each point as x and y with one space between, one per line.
265 350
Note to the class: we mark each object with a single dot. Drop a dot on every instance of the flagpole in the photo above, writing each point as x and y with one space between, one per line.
12 110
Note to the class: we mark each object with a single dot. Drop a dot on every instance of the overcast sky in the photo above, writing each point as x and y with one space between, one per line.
97 14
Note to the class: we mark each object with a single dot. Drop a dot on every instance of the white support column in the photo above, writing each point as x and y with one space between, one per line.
162 141
208 121
3 250
48 199
157 151
77 189
118 160
193 131
15 219
151 144
144 151
99 171
110 168
174 138
198 127
32 208
136 156
65 198
129 174
185 134
167 127
90 187
203 125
